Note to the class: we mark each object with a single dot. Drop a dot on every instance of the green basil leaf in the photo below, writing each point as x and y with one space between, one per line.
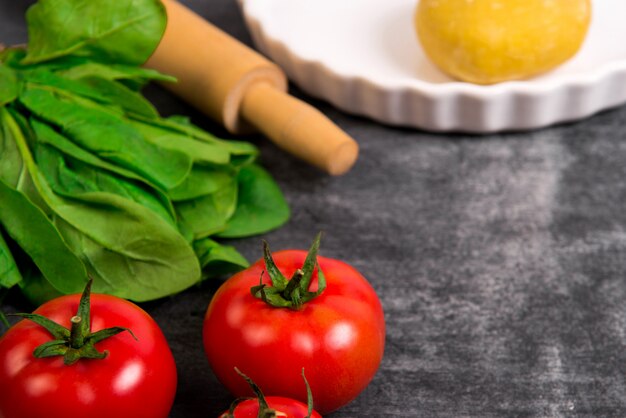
14 58
34 285
107 92
11 56
133 77
99 29
109 137
11 164
50 79
261 205
200 152
9 273
131 252
9 87
72 178
217 259
24 138
118 94
202 180
208 214
47 135
181 125
29 227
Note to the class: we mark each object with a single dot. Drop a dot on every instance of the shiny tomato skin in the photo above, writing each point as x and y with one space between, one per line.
290 408
338 337
136 379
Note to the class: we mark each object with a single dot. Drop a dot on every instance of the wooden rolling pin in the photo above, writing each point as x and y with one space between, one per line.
241 89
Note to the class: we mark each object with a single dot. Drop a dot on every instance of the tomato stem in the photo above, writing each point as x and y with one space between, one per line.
76 337
77 342
292 293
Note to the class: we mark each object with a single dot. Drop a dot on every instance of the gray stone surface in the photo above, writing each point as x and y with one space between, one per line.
500 261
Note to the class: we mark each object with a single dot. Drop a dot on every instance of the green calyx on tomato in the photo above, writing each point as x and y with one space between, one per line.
77 342
264 409
295 292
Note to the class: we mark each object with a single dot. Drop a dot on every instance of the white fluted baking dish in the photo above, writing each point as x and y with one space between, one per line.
363 57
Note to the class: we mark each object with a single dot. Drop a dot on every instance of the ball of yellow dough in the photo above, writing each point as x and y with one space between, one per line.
490 41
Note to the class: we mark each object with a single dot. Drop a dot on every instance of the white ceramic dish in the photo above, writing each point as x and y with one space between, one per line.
363 57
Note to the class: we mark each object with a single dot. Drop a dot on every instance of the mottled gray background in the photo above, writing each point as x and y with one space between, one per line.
500 261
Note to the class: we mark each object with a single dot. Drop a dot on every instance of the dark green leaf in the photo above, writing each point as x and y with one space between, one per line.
47 135
73 178
9 87
29 227
141 258
114 93
108 137
9 273
261 205
50 79
99 29
12 56
11 164
218 260
23 129
202 180
182 126
199 151
129 250
208 214
102 90
133 77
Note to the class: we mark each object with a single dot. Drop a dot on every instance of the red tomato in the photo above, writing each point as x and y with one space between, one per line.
270 406
136 379
338 337
284 407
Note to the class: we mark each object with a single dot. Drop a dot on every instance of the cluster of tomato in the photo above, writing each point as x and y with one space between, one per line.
289 315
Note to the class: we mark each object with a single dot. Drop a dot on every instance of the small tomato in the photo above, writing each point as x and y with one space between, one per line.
94 356
271 406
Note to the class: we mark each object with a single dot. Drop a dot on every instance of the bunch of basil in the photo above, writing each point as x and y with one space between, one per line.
94 182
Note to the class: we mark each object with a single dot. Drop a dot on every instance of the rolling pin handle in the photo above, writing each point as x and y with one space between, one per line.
299 128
